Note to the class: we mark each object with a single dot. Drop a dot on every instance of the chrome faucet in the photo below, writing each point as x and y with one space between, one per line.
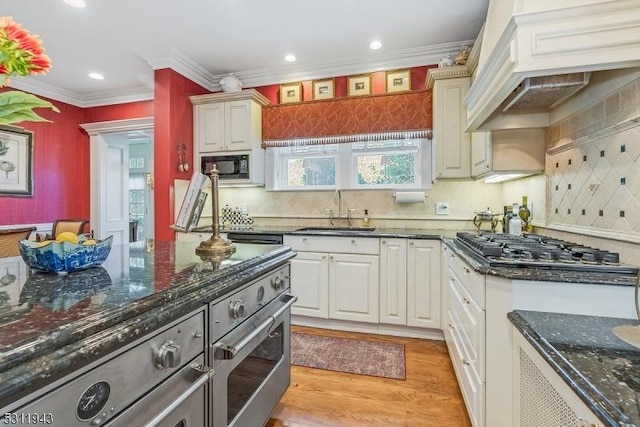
337 200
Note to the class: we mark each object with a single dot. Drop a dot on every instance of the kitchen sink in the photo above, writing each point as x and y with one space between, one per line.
331 228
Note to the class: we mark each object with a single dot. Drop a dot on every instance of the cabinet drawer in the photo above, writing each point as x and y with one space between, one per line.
345 245
473 282
470 325
471 386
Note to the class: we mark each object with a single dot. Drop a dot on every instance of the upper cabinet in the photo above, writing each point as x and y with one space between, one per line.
452 145
228 121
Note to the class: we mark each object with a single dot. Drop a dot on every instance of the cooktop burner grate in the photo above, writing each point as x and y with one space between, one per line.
534 250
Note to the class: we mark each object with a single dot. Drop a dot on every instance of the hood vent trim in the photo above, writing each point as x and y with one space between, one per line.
546 92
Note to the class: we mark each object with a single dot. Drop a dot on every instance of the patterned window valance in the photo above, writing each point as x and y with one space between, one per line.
339 139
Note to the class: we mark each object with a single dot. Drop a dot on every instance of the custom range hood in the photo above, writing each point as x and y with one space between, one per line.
535 54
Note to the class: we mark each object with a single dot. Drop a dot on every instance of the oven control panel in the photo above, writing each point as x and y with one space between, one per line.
234 309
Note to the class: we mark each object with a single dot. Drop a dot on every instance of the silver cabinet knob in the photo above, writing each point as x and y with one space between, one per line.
304 239
168 355
237 309
384 242
411 243
353 241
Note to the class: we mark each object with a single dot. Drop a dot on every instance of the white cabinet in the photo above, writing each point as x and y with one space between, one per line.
452 145
310 283
227 121
481 158
353 287
393 281
465 334
423 283
335 277
541 397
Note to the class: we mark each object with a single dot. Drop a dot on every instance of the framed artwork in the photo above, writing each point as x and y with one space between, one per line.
323 89
16 162
398 81
290 92
359 85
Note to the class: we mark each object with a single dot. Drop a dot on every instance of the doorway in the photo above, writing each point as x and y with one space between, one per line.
140 185
111 143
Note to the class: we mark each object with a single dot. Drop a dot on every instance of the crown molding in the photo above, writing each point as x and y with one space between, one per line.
118 125
184 65
179 62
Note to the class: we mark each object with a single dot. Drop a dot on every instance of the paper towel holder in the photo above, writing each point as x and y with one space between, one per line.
410 196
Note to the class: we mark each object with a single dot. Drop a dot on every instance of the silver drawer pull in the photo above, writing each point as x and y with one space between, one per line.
207 374
465 362
466 270
353 241
304 239
451 327
384 242
465 300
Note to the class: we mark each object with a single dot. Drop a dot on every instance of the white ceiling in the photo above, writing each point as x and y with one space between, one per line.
126 40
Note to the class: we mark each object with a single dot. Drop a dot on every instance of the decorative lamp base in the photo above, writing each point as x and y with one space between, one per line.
216 245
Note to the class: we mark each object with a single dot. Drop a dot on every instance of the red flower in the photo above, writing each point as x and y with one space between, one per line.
21 53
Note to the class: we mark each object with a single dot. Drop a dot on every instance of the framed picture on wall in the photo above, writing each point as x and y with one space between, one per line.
359 85
290 92
16 162
323 89
398 81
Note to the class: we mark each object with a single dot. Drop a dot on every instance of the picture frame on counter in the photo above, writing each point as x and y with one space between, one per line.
290 93
323 89
359 85
398 80
16 162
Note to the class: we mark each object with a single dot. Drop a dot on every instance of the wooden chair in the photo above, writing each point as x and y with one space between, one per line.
9 240
75 226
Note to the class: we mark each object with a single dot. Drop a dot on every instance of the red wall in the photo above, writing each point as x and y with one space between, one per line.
131 110
61 171
173 125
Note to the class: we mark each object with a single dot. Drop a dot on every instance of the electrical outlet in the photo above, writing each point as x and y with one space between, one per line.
442 208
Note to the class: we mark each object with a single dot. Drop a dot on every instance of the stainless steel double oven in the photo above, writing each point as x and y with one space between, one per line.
250 351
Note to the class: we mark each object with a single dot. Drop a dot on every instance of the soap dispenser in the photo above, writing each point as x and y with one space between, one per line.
365 218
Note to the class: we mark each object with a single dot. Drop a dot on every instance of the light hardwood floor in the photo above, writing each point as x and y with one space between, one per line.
428 397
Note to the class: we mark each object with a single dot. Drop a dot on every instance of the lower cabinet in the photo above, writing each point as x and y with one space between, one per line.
410 282
335 277
541 397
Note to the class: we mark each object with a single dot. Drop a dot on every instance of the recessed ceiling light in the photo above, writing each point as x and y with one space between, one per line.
375 45
96 76
76 3
290 58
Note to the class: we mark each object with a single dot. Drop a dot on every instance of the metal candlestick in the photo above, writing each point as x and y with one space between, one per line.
216 247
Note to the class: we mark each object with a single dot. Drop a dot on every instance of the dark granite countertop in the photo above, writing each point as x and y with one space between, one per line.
602 369
51 324
474 261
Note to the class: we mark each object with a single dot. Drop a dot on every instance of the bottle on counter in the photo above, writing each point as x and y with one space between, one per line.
365 218
525 215
515 223
508 214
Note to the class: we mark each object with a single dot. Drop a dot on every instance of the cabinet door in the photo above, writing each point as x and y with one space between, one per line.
480 153
310 283
393 281
452 143
238 125
353 287
210 127
423 283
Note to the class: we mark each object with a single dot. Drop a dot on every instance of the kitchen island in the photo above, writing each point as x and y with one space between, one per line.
52 326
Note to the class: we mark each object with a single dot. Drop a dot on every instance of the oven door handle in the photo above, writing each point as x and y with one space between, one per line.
227 352
207 374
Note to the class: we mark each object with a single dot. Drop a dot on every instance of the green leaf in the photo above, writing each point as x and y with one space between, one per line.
17 106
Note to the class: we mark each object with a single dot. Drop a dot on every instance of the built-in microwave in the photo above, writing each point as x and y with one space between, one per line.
238 168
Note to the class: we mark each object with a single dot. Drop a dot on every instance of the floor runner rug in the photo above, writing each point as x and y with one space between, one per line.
379 359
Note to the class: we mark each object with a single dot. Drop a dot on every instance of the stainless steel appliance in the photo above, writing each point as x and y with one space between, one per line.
537 251
160 381
230 166
250 351
255 238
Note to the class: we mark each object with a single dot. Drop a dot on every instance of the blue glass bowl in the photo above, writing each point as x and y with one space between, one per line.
60 257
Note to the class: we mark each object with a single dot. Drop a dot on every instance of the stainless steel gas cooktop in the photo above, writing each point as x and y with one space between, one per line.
537 251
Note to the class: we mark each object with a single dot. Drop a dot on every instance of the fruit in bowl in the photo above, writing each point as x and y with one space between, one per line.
69 252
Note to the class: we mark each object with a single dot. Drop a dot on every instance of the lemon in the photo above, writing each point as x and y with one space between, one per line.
89 242
44 243
67 236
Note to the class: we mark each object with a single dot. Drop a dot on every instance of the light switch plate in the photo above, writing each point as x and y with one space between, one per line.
442 208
